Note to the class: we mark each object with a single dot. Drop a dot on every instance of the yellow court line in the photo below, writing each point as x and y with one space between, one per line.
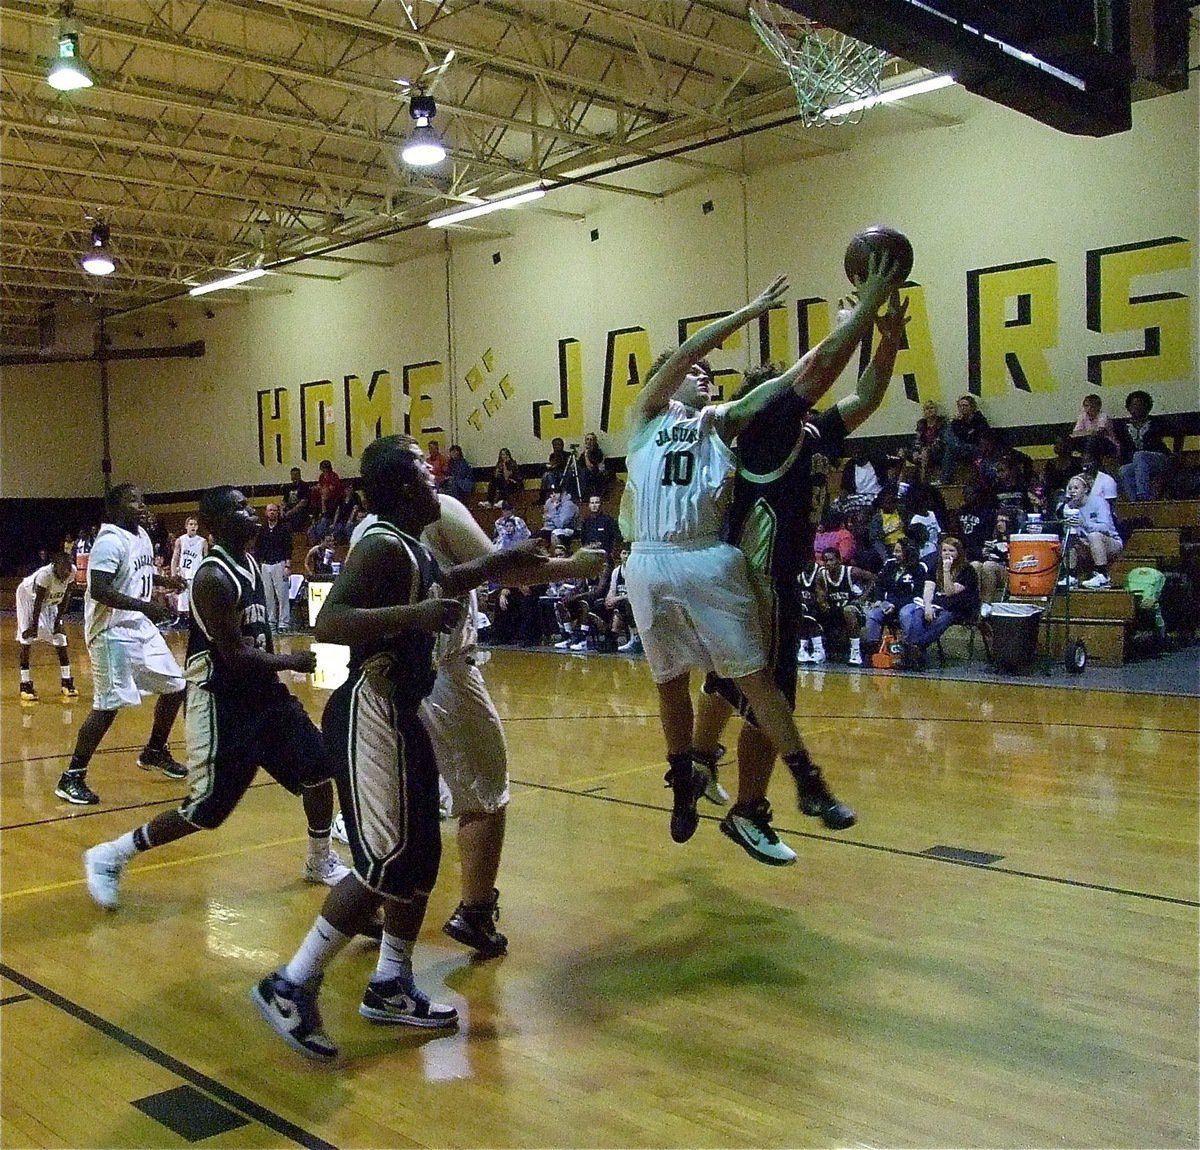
165 864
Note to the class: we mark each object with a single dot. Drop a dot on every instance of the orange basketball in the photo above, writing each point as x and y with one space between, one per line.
878 238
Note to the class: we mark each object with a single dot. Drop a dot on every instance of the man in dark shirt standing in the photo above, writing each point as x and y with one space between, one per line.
274 553
599 529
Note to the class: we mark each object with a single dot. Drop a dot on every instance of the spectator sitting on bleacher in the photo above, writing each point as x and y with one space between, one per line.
841 591
900 582
296 499
886 525
599 530
1103 485
993 559
950 595
1094 428
923 523
581 612
594 475
459 481
1012 483
511 529
928 441
346 513
960 443
974 519
811 645
986 462
1091 530
556 466
1144 455
439 464
862 480
833 532
560 518
1059 469
505 484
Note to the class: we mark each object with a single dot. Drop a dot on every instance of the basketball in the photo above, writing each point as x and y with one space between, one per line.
878 238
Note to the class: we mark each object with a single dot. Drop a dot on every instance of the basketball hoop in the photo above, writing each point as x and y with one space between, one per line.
826 67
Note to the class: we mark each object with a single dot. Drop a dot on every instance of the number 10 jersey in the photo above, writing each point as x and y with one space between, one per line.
680 476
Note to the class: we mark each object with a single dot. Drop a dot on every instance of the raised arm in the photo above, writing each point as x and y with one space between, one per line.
665 381
868 393
814 373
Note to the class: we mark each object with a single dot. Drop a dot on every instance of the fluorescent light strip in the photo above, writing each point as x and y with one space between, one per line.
228 281
484 209
890 95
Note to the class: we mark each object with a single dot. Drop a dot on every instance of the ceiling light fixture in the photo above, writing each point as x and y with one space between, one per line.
228 281
69 72
457 217
97 260
424 147
890 95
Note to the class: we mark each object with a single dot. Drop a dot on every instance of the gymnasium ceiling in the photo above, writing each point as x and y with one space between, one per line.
224 132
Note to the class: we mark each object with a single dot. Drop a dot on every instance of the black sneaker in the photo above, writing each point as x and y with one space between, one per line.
28 695
687 783
399 1000
475 926
816 801
74 788
750 827
291 1011
161 760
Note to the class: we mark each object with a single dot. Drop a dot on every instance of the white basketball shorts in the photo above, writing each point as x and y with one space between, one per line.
695 609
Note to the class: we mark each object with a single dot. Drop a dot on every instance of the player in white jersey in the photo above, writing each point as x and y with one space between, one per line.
691 593
129 656
464 727
190 548
42 600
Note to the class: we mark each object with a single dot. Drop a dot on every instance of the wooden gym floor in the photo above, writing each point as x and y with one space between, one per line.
1003 951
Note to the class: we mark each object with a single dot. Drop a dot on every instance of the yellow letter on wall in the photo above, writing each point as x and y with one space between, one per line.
567 421
626 361
316 408
1164 320
1008 347
419 381
368 410
274 426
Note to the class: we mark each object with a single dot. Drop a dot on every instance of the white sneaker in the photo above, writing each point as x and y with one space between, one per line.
565 645
338 830
856 659
580 646
1068 581
818 655
714 792
327 869
1097 581
750 827
802 656
103 869
632 645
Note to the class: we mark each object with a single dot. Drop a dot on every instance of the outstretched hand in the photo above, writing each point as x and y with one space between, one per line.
772 295
588 562
881 270
893 321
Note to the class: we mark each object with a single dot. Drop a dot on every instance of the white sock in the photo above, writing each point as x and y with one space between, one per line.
316 952
855 647
395 959
65 668
318 846
26 678
125 847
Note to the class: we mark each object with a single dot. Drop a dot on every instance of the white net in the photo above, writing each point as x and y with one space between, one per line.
827 68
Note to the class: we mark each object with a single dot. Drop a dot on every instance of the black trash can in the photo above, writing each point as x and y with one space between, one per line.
1014 634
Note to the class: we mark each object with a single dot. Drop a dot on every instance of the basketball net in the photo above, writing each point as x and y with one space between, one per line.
826 67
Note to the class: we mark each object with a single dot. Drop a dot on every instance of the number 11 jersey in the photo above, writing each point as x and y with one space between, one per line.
129 558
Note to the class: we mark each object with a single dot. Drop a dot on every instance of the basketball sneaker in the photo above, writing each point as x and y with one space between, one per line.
74 788
327 868
749 825
28 695
160 760
102 869
631 646
475 926
817 801
687 783
68 690
291 1011
399 1000
713 791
